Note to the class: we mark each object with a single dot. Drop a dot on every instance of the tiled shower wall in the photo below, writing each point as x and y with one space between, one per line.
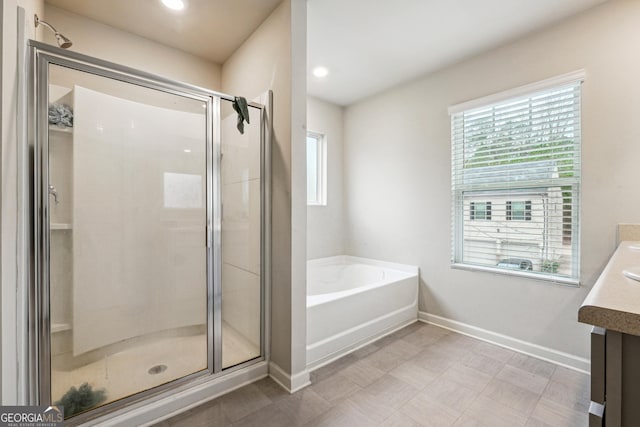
241 223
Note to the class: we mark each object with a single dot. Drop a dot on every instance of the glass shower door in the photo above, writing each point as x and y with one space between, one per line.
149 228
126 177
241 189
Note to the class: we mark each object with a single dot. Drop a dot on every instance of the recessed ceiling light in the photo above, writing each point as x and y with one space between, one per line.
320 72
186 150
174 4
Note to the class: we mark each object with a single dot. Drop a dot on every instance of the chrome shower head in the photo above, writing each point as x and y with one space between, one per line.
62 41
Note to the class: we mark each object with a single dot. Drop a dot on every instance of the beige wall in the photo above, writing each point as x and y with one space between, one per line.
397 170
325 231
270 60
108 43
32 7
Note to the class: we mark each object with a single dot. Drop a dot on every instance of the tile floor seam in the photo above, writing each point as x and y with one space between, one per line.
462 414
534 408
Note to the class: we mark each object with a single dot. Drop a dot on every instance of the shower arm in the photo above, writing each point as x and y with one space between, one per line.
62 41
46 24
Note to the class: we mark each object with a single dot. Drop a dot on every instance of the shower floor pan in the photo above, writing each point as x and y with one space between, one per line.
141 367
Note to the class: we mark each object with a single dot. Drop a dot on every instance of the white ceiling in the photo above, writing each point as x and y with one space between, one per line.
212 29
372 45
367 45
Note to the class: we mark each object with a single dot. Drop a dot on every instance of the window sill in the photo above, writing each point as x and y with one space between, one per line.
519 273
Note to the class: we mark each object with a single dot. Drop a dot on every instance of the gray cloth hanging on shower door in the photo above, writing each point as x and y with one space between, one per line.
241 107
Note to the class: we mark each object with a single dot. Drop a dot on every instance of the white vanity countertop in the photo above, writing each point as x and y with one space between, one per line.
614 301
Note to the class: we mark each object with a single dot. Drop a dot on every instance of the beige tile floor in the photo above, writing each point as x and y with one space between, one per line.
421 375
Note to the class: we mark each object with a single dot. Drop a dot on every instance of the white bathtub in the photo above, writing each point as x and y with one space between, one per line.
352 301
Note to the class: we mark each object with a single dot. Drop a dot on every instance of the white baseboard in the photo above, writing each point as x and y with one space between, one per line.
312 366
548 354
290 383
175 402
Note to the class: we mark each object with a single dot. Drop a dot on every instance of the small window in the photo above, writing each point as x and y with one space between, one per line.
519 211
480 210
316 169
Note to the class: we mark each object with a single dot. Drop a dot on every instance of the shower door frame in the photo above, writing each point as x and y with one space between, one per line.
40 57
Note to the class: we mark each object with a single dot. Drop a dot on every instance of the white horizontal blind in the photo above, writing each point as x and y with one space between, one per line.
516 184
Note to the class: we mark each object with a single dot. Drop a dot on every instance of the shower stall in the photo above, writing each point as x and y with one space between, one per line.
149 233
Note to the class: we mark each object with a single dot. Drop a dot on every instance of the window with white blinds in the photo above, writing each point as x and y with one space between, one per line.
516 183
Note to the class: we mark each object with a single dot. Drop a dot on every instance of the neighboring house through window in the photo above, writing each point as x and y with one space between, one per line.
516 181
480 210
316 169
519 211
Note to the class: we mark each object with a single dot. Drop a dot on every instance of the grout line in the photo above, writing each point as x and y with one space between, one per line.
242 268
242 181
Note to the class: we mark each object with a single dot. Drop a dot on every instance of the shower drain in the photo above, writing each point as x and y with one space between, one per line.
157 369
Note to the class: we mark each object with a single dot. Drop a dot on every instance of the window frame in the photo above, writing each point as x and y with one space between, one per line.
321 168
458 191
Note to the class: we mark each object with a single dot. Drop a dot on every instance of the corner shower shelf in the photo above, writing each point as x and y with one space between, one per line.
60 226
55 128
60 327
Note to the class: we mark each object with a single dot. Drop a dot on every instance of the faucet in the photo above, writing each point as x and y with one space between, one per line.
53 192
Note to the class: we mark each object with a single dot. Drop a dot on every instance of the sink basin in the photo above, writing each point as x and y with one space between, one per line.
634 246
632 273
